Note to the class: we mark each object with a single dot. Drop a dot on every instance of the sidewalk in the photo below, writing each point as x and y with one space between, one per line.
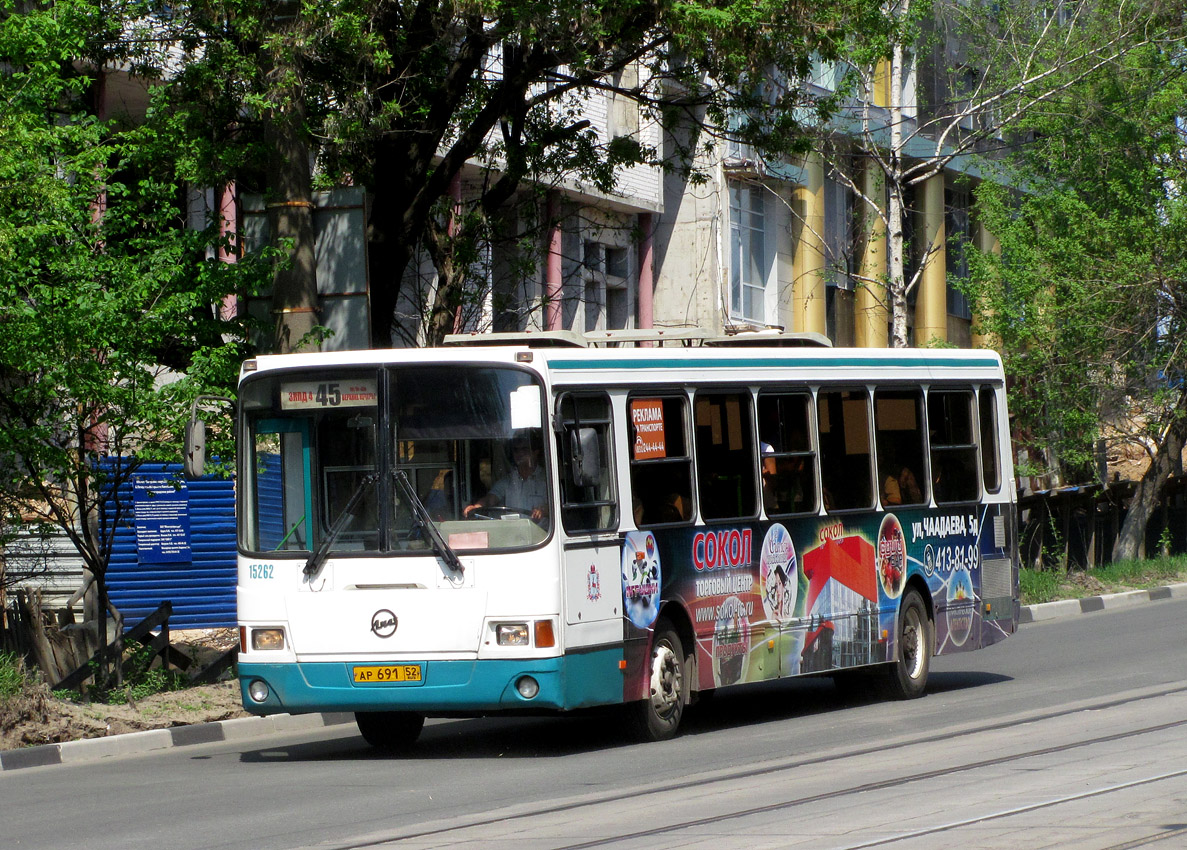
252 728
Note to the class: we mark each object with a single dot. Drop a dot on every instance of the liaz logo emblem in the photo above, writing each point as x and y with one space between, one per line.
383 623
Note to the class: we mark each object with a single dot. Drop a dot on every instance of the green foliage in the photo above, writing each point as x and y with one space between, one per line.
1049 585
1086 295
109 321
399 96
141 678
1039 586
14 677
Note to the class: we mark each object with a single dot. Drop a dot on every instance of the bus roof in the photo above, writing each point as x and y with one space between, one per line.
749 364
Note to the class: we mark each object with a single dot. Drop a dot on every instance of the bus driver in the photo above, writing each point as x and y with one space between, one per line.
524 488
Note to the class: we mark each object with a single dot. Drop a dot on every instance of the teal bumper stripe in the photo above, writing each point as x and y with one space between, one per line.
568 682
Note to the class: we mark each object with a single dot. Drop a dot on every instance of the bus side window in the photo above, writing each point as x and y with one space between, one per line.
953 447
844 422
787 459
726 481
661 466
898 438
990 468
589 500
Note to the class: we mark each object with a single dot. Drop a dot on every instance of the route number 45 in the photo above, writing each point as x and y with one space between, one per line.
328 395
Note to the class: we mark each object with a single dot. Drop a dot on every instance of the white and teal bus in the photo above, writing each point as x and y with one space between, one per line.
541 527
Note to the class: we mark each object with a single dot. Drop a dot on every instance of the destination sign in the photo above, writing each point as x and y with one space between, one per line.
320 395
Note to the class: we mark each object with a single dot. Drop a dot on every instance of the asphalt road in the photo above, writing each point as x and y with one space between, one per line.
1069 734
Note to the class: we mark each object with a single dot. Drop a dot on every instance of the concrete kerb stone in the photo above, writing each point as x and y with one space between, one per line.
1106 602
137 743
252 728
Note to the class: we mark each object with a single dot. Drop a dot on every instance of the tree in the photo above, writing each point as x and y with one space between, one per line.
402 95
1088 292
109 323
980 70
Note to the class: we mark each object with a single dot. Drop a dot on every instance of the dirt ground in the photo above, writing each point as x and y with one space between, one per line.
37 717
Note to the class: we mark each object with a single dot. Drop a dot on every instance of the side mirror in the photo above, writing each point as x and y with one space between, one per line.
194 461
195 449
586 454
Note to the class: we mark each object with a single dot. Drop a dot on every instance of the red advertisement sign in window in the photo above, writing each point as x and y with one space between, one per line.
647 415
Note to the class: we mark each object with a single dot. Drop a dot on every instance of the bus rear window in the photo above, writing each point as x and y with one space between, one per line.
953 447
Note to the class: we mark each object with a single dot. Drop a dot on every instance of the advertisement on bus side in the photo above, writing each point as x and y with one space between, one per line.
808 595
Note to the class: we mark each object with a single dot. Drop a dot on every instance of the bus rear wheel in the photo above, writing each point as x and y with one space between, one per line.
657 716
913 649
389 730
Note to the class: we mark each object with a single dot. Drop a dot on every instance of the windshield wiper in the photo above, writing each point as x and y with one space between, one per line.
425 521
344 519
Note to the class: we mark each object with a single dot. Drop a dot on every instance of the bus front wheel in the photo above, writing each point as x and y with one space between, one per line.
657 716
913 649
389 730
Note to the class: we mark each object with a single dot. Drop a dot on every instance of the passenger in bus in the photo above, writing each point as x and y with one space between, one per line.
900 486
768 473
674 509
524 488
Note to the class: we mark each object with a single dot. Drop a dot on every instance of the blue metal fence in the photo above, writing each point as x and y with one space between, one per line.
197 575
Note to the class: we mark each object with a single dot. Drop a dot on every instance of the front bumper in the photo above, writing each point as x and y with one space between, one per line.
568 682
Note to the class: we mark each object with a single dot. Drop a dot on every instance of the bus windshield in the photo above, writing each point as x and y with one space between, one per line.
321 450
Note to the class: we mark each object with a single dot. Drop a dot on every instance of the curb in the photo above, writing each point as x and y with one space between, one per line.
1090 604
250 728
135 743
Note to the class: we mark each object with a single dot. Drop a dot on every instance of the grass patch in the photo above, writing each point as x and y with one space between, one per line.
1049 585
140 680
13 676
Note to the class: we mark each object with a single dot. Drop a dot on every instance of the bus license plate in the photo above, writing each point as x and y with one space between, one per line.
387 673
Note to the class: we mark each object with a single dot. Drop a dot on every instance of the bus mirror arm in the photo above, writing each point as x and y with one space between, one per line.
425 521
194 456
344 517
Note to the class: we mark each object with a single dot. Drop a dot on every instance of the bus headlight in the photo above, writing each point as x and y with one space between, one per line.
267 638
512 634
527 687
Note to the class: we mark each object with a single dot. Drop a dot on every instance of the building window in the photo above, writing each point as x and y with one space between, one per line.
956 225
622 110
605 271
840 237
750 262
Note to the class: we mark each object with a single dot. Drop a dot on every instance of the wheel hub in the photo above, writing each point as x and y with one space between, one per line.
666 681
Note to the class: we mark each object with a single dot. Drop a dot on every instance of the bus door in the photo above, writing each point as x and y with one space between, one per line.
591 559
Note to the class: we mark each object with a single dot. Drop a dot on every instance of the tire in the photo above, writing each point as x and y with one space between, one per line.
657 716
913 649
390 731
